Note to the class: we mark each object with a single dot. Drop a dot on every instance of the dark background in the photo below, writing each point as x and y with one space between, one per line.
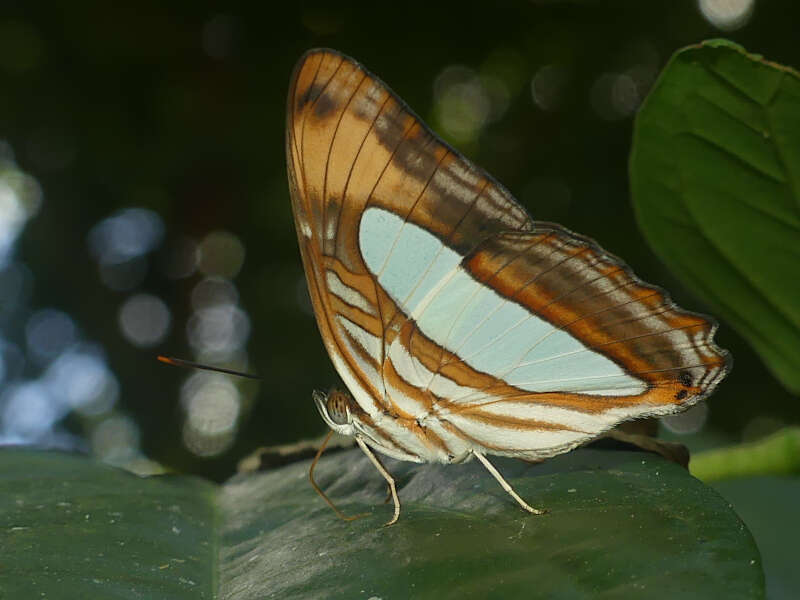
176 110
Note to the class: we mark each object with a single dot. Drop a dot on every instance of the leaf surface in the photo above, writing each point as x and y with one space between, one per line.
715 179
619 524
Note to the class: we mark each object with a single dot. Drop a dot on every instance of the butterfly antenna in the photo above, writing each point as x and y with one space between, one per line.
179 362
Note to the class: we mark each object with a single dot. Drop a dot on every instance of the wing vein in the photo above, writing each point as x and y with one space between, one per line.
325 240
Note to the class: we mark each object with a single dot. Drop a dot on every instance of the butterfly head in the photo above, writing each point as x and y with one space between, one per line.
335 410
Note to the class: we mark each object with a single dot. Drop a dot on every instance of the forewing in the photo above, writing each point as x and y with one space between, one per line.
352 144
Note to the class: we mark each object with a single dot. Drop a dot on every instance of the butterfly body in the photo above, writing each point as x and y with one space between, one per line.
460 326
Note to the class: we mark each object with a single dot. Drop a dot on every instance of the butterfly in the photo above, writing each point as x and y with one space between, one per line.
462 327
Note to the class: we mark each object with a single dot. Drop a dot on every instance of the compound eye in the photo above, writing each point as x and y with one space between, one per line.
336 406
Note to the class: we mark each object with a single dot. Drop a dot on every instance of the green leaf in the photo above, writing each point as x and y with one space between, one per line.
715 178
768 504
776 454
75 528
621 524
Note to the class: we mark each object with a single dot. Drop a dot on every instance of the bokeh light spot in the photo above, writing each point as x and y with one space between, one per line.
212 404
462 103
727 15
20 199
213 291
144 320
547 86
614 96
689 421
29 413
218 331
127 234
81 380
222 254
48 333
116 440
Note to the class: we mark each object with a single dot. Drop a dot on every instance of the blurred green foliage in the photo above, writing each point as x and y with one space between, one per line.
776 454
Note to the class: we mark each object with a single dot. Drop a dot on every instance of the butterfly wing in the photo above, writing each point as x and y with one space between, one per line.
352 144
457 322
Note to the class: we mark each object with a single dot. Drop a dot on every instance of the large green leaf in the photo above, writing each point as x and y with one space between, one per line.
715 178
621 524
75 528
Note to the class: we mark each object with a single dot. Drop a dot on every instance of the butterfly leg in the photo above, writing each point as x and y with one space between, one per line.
319 491
504 484
386 476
